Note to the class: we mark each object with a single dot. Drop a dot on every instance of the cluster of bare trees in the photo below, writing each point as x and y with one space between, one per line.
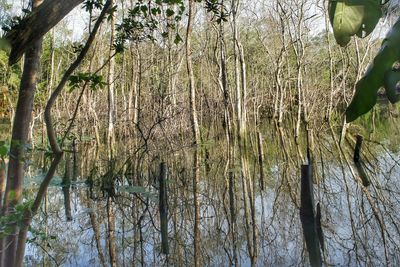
247 63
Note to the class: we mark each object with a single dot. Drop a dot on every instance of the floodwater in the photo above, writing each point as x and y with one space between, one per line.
80 221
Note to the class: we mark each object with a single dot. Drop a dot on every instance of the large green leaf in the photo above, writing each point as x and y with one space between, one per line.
346 21
4 44
350 17
372 14
378 72
391 82
3 149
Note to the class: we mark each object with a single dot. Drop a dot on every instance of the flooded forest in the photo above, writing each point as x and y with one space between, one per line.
199 133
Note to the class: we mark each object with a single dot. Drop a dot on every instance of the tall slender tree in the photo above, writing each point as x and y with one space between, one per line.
19 142
195 131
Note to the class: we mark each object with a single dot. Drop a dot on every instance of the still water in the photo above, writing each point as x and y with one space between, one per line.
81 220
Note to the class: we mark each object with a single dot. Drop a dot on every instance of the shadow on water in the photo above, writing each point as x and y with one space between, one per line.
141 214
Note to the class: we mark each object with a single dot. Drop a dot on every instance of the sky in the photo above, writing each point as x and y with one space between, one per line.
75 24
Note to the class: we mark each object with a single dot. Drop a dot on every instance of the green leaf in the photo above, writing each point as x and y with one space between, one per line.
170 12
372 14
144 9
178 39
392 87
350 17
346 20
156 11
3 149
367 88
4 44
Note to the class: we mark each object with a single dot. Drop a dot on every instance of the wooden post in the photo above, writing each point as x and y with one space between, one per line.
319 227
358 162
163 207
75 160
66 185
357 149
261 160
307 217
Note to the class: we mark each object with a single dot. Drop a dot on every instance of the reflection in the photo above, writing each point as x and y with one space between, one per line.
163 207
66 186
307 217
123 219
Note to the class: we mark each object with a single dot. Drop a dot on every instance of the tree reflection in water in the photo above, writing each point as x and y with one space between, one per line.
360 225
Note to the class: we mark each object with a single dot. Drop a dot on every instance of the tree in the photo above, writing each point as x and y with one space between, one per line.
36 25
22 119
13 246
196 134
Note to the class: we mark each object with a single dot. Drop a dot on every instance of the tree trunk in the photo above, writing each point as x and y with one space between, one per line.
196 135
247 181
223 83
96 232
111 91
261 160
20 132
14 256
163 207
111 232
66 187
36 25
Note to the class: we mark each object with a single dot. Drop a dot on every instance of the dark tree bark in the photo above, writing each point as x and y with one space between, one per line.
36 25
14 246
19 139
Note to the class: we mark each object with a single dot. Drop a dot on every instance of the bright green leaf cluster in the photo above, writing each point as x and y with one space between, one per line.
217 9
8 221
384 71
148 16
93 80
90 5
36 235
3 149
353 17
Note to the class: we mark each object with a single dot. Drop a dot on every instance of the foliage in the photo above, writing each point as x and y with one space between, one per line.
384 71
217 9
41 236
15 22
353 17
146 17
90 5
94 80
3 149
356 17
8 221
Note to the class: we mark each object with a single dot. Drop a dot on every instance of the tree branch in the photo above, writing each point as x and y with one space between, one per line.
36 25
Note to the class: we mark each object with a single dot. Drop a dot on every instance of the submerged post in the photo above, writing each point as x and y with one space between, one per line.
66 185
163 207
358 162
75 160
307 217
261 160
